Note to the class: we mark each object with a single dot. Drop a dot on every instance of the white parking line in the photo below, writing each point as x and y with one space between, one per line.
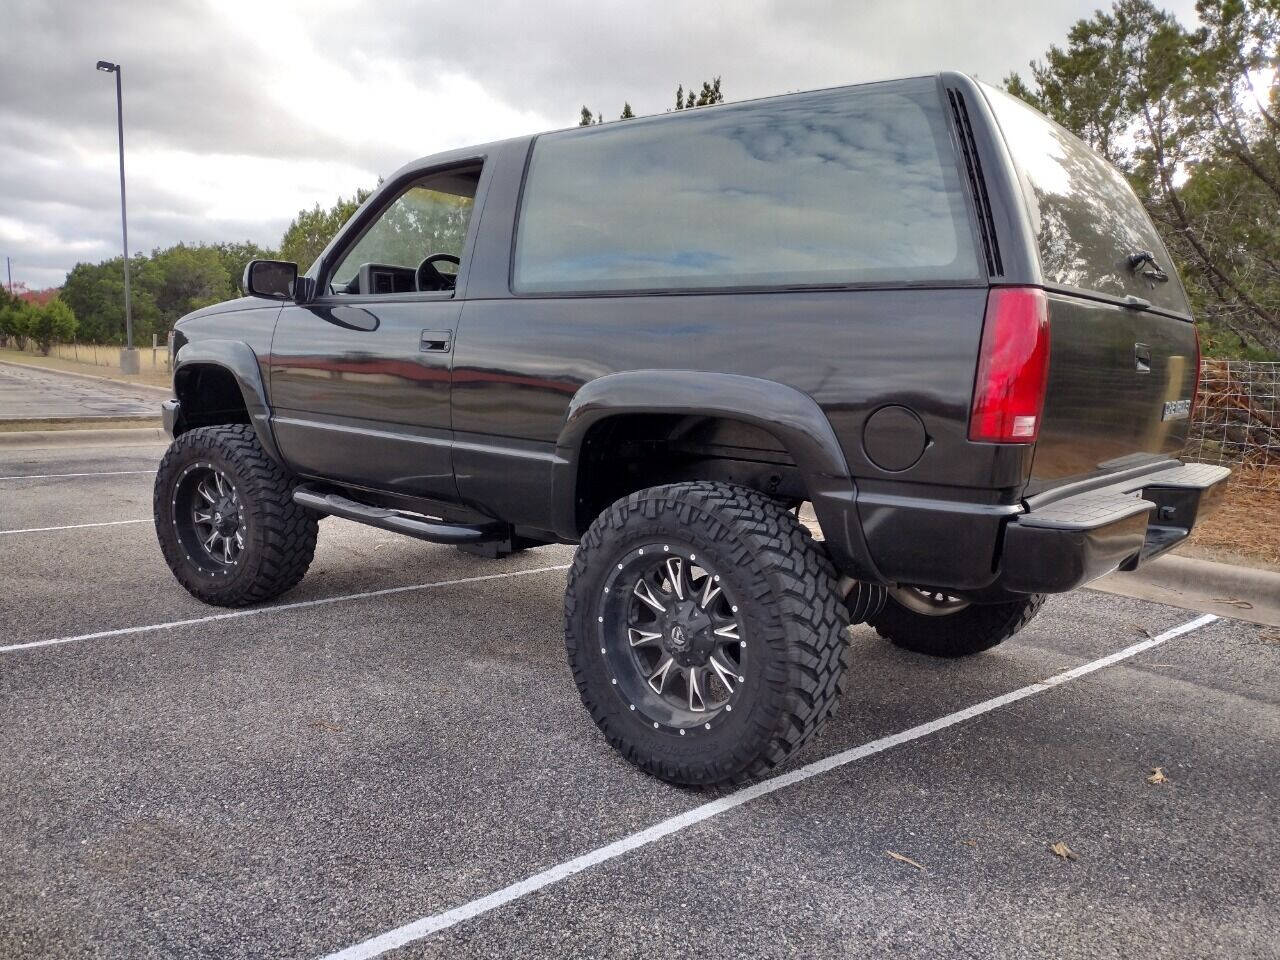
426 926
77 526
59 476
279 608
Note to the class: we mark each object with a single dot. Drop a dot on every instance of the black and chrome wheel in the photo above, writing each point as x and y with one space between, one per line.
705 631
226 520
207 519
672 637
934 622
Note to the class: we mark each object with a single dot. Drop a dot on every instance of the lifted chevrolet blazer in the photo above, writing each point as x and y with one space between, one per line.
919 306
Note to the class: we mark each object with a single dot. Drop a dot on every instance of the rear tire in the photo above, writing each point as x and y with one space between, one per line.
959 633
755 633
226 520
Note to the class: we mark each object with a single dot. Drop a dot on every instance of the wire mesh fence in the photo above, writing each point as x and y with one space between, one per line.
1236 421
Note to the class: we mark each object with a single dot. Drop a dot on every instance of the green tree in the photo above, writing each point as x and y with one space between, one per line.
626 112
585 119
311 230
95 294
15 321
709 94
186 278
236 256
52 323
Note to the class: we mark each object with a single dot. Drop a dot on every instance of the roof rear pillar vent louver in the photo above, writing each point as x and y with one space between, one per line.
978 186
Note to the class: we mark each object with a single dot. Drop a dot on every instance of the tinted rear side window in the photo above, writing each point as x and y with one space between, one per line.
857 185
1086 217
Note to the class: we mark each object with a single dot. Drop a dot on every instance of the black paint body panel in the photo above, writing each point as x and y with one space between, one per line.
493 426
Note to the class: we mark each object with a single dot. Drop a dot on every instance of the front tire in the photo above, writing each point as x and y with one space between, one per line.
933 623
226 520
705 632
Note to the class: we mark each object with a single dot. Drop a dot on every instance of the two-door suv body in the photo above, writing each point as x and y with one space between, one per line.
918 305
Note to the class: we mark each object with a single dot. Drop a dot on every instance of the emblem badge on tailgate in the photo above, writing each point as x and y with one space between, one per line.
1176 410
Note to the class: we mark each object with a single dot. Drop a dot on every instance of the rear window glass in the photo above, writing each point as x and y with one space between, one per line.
1086 217
844 186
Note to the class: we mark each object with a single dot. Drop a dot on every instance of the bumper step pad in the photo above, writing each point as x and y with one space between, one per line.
1065 543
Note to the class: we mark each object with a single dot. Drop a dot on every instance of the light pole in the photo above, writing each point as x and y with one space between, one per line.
129 362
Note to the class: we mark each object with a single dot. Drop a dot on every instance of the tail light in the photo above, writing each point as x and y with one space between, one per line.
1013 367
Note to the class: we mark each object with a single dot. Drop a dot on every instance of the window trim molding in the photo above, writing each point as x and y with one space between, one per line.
358 226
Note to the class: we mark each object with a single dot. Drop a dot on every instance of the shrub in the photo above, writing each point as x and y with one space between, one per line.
53 323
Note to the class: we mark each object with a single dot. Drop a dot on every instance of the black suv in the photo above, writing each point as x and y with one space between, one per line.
919 306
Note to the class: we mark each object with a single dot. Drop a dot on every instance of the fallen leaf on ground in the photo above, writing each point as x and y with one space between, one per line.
969 842
1270 637
321 725
898 856
1157 776
1062 850
1234 602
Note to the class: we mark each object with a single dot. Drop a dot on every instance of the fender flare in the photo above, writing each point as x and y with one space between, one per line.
238 359
790 415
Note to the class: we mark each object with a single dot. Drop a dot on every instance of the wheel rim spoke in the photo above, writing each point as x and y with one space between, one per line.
697 700
728 632
639 637
727 675
644 591
710 591
658 679
675 574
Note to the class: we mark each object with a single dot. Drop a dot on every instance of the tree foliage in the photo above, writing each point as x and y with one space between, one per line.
709 94
15 320
54 322
311 230
1192 116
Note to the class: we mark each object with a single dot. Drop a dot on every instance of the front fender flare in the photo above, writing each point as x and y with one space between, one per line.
238 359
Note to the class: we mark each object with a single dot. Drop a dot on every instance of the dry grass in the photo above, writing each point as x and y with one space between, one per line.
1245 528
153 376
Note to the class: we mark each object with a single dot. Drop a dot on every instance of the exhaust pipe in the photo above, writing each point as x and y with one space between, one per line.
863 599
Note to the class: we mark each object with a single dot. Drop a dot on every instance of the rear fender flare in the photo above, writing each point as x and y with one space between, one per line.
793 417
238 359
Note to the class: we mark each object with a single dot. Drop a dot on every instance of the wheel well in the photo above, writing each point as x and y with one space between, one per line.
628 452
208 394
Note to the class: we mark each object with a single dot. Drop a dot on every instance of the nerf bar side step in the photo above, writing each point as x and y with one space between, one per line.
409 524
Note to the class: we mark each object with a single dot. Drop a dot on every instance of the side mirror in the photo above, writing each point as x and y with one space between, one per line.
273 279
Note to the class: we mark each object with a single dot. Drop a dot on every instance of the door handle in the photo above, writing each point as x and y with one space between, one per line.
436 341
1142 357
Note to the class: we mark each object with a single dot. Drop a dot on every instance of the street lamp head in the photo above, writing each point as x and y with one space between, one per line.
106 66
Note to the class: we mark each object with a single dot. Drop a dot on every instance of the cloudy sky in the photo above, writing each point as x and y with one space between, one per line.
239 113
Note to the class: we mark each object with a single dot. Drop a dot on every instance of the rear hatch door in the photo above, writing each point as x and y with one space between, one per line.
1123 352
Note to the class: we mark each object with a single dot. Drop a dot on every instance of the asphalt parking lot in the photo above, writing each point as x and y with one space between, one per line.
399 739
28 392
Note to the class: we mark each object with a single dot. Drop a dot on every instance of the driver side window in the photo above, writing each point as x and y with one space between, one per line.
415 243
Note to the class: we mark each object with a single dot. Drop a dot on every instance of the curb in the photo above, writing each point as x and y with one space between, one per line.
1203 585
166 391
84 438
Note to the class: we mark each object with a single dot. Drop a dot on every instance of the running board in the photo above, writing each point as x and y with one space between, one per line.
434 530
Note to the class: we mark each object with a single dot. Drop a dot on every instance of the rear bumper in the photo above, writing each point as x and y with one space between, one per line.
1052 543
1066 543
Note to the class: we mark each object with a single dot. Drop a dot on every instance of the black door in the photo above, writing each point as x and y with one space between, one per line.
360 392
361 376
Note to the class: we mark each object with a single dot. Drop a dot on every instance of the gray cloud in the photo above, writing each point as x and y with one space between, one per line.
257 95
